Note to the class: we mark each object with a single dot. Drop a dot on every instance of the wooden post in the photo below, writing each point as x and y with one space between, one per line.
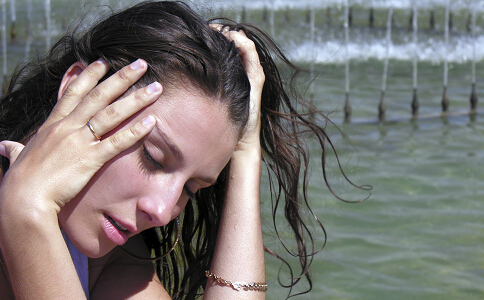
432 20
445 101
415 103
381 107
347 107
473 99
372 18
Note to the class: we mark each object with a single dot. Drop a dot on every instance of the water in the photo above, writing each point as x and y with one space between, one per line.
421 233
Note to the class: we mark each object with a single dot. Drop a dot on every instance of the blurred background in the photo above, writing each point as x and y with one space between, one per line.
401 80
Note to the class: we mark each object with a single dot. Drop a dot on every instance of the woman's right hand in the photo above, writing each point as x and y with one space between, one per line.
63 155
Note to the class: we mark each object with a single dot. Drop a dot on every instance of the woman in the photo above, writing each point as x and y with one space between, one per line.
172 161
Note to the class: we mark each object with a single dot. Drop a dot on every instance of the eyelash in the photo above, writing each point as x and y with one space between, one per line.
151 160
157 165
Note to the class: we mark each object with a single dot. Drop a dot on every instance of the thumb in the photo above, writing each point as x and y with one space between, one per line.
11 150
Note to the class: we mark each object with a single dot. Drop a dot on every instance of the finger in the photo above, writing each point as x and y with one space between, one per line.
248 51
114 114
109 90
11 150
215 26
255 73
78 89
219 27
250 57
120 141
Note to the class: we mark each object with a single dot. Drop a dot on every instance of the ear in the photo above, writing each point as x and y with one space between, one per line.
70 75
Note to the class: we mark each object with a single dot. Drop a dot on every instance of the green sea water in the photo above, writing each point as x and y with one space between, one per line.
420 235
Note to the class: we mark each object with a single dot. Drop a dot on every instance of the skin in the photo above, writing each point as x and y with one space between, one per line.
141 193
30 202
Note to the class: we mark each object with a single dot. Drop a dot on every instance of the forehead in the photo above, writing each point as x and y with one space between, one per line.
198 108
197 125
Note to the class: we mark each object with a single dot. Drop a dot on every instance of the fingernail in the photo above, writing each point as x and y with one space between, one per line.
138 64
148 121
153 88
100 61
3 151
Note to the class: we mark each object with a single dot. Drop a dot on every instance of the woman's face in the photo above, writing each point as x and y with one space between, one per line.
146 185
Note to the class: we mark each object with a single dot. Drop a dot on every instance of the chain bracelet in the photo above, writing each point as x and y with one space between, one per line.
251 286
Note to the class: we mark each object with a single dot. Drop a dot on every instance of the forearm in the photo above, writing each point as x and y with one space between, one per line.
56 164
239 254
37 259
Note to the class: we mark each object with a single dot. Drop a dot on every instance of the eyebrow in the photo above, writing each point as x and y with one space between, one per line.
179 156
171 145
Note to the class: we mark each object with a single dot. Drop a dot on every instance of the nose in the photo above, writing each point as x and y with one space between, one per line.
157 206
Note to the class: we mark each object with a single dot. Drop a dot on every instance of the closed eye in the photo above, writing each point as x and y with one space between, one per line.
151 160
157 165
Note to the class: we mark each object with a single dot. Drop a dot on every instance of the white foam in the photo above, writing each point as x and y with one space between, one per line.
459 50
303 4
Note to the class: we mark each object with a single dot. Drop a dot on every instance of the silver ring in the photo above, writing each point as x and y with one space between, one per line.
97 136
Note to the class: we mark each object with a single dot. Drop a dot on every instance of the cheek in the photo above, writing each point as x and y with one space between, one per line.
117 179
122 175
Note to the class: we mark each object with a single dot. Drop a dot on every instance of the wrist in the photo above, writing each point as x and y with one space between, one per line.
18 220
246 165
248 153
21 212
244 175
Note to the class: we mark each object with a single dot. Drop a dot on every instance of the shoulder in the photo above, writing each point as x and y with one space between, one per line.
120 276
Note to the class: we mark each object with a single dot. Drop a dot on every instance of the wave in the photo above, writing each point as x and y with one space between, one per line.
303 4
433 50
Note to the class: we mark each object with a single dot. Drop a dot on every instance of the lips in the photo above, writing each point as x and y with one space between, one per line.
114 231
117 224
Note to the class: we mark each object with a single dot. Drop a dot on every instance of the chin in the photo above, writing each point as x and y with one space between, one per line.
96 252
91 249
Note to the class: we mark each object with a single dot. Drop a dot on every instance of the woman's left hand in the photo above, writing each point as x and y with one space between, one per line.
250 59
63 155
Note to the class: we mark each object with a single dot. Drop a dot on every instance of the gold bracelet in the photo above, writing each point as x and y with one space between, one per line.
251 286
